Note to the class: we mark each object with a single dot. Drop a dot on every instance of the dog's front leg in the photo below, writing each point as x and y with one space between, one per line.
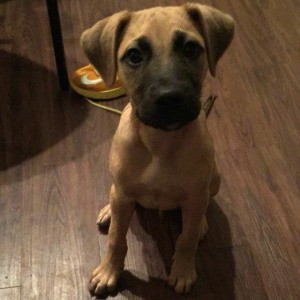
194 226
105 277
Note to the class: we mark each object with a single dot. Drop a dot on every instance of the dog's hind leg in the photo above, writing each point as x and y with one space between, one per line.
104 216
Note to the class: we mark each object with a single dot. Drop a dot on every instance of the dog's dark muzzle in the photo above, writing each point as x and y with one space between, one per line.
169 111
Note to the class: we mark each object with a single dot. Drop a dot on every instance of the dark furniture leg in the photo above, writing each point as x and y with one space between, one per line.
58 45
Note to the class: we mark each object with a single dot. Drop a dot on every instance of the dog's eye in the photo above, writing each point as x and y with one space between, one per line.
134 56
192 50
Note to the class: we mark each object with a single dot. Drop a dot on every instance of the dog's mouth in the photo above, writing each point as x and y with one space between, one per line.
172 127
164 127
168 121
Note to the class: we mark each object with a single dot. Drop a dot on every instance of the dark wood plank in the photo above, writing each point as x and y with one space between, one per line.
264 201
230 273
56 244
10 230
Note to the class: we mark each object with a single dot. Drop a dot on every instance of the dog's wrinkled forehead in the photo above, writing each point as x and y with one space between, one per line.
161 27
104 42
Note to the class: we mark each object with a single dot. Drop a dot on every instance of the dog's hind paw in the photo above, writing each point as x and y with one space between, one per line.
103 219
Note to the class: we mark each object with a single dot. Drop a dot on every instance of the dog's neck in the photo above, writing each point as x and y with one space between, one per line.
162 143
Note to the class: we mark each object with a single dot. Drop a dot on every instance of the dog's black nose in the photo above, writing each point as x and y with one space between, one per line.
170 98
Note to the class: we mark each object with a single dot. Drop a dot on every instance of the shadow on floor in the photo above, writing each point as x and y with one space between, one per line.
214 260
35 114
3 1
215 264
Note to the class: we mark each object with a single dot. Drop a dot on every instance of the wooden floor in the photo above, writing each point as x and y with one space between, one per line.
54 172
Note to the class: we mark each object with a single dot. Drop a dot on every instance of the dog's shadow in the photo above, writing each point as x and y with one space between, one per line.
214 260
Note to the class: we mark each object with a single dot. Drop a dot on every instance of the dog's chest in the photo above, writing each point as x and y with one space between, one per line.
158 184
160 170
159 188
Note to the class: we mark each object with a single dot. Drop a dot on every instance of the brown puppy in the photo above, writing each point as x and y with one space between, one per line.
162 154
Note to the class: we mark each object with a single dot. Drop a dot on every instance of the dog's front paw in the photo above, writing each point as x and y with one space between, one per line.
104 278
103 219
183 275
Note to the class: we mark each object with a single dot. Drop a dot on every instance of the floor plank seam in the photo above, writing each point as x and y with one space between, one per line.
10 287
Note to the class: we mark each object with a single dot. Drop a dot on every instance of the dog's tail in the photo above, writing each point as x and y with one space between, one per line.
208 104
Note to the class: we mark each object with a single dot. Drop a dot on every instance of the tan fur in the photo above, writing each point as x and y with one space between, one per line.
155 168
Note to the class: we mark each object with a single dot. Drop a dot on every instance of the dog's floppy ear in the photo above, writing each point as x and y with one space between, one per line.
100 44
217 29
